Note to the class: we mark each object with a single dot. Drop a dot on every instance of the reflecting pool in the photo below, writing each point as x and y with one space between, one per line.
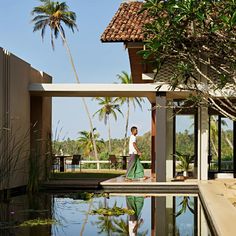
102 214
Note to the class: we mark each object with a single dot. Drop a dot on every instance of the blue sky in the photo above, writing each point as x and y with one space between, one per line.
96 62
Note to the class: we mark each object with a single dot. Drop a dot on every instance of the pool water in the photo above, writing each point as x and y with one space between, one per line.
77 214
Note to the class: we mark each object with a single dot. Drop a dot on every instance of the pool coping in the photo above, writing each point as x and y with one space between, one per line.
220 212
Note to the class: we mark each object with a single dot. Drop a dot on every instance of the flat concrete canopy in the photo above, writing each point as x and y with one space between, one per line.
147 90
94 90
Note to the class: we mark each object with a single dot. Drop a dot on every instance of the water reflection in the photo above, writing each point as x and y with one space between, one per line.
22 208
152 215
136 204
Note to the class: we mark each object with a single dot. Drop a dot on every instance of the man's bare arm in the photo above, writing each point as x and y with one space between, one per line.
136 148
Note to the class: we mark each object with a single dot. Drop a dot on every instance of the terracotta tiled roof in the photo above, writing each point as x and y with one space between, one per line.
126 25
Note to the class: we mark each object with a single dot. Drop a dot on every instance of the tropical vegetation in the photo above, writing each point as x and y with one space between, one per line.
109 107
184 145
85 142
125 78
54 15
197 38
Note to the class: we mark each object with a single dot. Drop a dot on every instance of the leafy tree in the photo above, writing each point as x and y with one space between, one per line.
53 15
125 78
199 38
109 106
185 142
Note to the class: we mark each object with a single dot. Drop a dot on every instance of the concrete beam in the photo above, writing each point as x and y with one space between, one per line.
94 90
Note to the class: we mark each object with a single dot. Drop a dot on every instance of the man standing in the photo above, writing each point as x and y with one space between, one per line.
135 169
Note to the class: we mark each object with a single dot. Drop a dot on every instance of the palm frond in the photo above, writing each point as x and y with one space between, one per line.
40 24
39 17
114 115
53 14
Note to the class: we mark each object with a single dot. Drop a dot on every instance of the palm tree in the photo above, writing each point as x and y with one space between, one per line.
187 203
85 142
108 107
125 78
52 14
121 227
104 223
86 217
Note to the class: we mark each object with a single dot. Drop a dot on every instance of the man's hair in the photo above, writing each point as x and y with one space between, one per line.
133 128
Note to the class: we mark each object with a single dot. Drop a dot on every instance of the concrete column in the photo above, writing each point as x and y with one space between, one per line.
164 139
161 129
170 144
203 126
169 214
161 224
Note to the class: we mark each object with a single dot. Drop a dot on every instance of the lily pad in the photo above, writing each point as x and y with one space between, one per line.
37 222
114 211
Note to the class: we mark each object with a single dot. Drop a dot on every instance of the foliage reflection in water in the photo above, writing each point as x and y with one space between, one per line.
102 214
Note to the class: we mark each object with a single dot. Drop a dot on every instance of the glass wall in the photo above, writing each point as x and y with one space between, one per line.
221 143
185 157
226 148
213 143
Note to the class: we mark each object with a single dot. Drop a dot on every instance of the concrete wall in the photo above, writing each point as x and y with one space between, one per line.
41 117
16 111
1 87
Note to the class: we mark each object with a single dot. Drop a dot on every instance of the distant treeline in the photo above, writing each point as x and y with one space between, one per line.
184 144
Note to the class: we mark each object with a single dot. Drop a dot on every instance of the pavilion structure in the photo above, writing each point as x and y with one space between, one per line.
25 100
127 27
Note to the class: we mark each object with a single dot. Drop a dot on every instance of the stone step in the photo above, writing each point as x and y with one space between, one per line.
224 175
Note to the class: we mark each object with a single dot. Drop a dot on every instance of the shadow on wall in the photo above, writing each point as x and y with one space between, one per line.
21 158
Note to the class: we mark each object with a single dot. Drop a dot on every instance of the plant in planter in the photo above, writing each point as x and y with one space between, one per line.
185 160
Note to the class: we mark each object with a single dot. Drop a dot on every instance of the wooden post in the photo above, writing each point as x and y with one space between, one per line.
153 137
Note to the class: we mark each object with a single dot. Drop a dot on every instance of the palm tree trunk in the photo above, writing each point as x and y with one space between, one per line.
214 148
227 140
109 133
86 218
83 99
126 126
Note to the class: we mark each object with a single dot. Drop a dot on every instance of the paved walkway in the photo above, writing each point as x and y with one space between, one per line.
219 200
217 196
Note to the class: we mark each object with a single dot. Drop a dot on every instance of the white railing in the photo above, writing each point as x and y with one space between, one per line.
68 162
96 162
